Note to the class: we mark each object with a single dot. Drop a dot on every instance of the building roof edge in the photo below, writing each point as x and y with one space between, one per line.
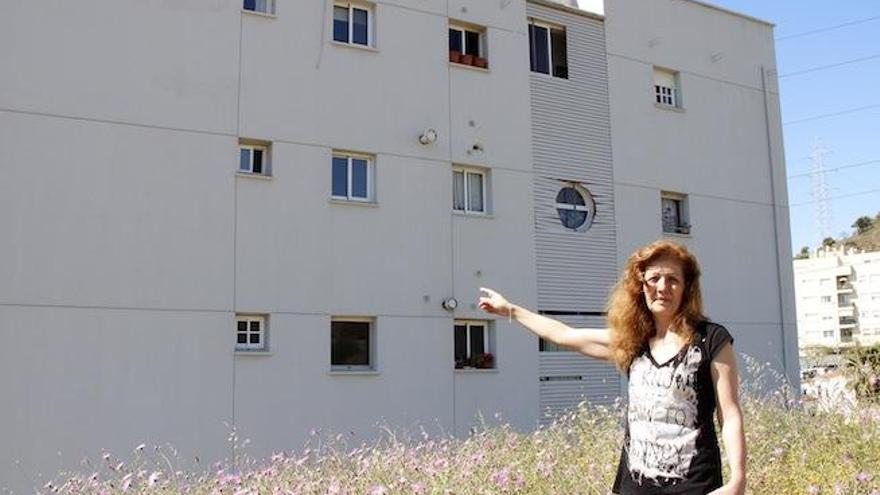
731 12
565 8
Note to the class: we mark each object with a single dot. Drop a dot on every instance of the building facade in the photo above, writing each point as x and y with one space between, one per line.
276 216
838 298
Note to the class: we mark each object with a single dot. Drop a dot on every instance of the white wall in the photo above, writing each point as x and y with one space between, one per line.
715 150
133 243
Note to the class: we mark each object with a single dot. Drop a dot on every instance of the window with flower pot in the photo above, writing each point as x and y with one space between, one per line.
250 333
261 6
253 157
469 190
474 345
675 214
467 45
352 177
352 344
548 51
353 23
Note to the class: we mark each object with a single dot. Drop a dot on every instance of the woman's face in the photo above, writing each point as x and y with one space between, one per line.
663 286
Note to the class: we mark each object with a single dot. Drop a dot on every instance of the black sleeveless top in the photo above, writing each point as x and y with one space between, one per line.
670 445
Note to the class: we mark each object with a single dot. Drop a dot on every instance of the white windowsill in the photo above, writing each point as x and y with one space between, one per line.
669 107
354 373
353 202
251 175
471 67
676 234
486 216
356 46
244 352
259 14
467 371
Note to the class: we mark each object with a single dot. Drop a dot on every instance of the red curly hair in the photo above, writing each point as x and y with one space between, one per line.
629 317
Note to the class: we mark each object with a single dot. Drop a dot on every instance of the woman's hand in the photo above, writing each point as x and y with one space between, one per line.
493 302
730 489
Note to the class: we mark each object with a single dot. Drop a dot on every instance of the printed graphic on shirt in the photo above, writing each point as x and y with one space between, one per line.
663 416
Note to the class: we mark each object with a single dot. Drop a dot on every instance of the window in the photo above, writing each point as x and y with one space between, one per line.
352 23
261 6
351 344
250 333
675 213
548 53
466 46
473 345
468 190
826 299
666 92
575 207
828 334
352 177
253 157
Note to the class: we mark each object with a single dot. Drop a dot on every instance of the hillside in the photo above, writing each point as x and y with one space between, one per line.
868 240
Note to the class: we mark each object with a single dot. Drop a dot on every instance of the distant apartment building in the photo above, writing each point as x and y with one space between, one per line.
838 298
275 216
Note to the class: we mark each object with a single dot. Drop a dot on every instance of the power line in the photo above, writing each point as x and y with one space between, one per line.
830 66
828 28
835 169
834 114
860 193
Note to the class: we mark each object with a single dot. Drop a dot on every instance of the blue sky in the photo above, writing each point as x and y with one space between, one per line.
851 138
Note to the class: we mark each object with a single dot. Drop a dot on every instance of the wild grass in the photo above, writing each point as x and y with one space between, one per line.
792 449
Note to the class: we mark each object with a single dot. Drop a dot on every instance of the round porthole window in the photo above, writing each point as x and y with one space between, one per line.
576 207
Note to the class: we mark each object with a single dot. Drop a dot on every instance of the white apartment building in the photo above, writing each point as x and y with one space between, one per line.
838 298
275 216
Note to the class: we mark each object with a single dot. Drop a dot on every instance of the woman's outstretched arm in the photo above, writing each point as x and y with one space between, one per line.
591 342
726 380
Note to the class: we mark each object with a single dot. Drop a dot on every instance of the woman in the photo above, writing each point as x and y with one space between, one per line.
679 365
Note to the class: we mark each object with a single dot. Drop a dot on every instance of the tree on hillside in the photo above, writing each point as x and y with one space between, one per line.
804 254
828 242
863 224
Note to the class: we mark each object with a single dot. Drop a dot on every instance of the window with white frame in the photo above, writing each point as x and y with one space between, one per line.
575 207
352 342
828 334
675 214
826 299
353 23
548 53
352 177
261 6
666 88
473 345
469 190
467 45
250 333
254 157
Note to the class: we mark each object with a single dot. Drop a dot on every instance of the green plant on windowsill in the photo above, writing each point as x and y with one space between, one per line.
484 361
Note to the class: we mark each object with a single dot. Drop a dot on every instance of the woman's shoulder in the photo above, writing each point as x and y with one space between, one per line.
712 336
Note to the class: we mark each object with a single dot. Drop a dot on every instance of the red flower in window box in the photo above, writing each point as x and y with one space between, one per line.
467 59
455 56
481 62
